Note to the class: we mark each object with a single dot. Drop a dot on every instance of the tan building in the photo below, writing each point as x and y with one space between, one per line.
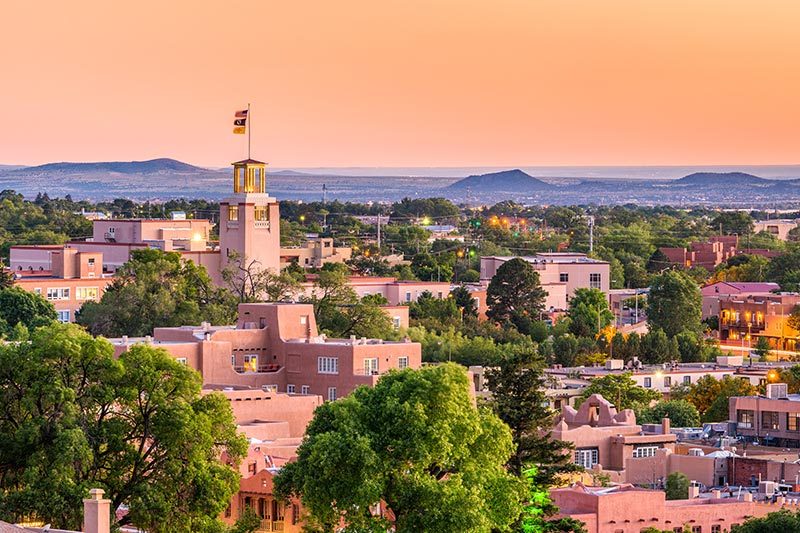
780 228
744 318
72 278
316 252
277 347
559 273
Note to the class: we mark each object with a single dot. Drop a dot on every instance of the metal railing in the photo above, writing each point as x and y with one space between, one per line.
268 525
261 369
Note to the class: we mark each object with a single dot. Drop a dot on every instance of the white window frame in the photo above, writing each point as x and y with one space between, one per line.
327 365
290 389
58 293
644 451
182 360
331 394
305 389
396 322
595 280
63 315
371 366
648 383
587 457
402 362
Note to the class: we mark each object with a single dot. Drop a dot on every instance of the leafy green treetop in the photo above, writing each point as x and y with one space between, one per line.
415 442
515 292
677 486
589 312
20 308
76 418
157 289
674 304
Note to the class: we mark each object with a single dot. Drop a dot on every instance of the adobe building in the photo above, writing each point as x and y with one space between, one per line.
277 347
742 319
627 509
606 440
715 292
315 253
68 279
560 274
773 419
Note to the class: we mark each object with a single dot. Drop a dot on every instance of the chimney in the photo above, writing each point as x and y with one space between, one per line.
694 490
665 425
96 513
125 340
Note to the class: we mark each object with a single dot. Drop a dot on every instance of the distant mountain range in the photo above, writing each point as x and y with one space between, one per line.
152 166
504 181
160 179
722 179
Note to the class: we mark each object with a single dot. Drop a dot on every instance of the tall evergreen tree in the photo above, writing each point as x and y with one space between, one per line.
515 293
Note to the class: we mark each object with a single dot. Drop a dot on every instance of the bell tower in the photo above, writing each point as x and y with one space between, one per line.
249 223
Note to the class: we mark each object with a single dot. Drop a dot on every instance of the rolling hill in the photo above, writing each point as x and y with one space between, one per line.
721 179
506 180
152 166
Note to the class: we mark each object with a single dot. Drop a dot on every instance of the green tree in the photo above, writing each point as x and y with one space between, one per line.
777 522
75 418
538 510
680 412
415 442
518 399
677 486
729 387
464 301
6 277
589 312
514 292
794 318
733 223
157 289
674 303
762 348
621 390
20 307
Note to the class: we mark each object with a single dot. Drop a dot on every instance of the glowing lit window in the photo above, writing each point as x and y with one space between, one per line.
261 213
233 212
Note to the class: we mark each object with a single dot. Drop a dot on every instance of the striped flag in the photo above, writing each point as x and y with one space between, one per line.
240 122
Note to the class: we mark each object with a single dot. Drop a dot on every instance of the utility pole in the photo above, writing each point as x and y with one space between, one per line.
591 233
379 232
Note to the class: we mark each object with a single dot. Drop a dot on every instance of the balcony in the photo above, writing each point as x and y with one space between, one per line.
260 369
268 525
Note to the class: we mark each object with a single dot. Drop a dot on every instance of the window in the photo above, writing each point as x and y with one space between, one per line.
402 362
793 421
261 213
181 360
233 213
58 294
90 261
594 281
371 366
63 316
648 382
331 394
396 322
251 363
563 277
304 389
697 529
716 528
440 295
687 380
86 293
290 389
304 320
769 420
668 381
587 457
744 417
38 290
328 365
269 388
408 296
645 451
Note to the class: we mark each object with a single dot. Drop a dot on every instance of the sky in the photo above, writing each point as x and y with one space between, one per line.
403 82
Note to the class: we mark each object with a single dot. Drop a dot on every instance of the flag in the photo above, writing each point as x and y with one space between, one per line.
241 114
240 122
239 130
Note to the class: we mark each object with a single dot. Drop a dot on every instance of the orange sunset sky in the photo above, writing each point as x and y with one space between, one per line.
403 83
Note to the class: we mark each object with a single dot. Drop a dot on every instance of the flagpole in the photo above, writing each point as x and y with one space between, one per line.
250 120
